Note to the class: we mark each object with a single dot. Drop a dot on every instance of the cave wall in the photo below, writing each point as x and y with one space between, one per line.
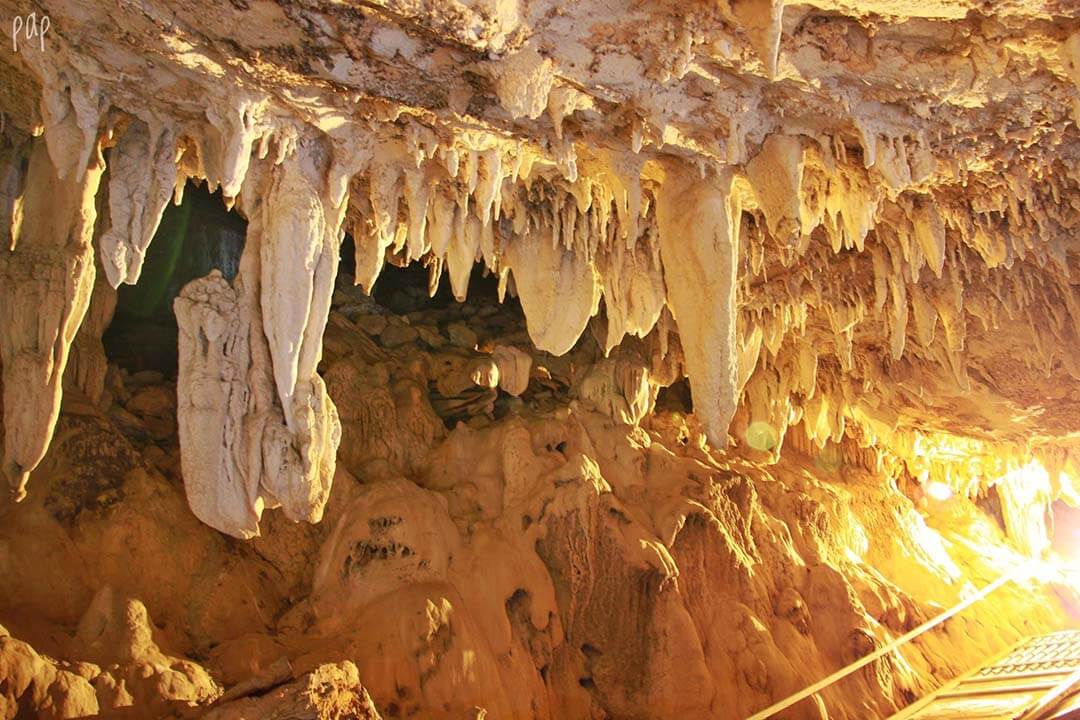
847 228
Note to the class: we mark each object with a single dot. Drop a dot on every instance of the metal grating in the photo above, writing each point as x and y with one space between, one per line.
1059 651
1026 682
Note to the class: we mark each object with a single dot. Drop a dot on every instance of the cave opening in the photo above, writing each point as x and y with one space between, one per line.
461 339
202 234
404 287
198 235
675 397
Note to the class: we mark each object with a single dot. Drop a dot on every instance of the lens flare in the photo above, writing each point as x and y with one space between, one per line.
762 436
938 491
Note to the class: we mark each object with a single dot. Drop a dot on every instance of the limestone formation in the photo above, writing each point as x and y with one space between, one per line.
699 239
643 360
256 425
47 279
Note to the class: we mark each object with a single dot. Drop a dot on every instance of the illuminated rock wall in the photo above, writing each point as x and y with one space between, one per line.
728 330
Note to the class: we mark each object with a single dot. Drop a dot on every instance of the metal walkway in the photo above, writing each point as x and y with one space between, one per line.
892 647
1036 679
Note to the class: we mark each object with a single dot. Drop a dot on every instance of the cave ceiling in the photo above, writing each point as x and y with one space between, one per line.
839 214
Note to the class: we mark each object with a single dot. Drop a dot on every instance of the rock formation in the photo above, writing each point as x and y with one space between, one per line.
640 361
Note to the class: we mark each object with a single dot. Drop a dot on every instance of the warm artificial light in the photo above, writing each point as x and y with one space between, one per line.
938 490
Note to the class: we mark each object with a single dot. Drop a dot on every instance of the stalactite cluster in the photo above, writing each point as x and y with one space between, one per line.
712 291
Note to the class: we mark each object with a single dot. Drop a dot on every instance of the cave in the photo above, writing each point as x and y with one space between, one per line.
195 236
460 360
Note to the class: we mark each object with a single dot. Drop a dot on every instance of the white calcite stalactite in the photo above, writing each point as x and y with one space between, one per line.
559 289
376 233
45 287
142 176
930 234
762 21
461 254
699 239
300 249
633 292
776 175
71 111
257 428
226 149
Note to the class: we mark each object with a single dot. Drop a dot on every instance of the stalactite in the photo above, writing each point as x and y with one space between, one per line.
776 175
763 22
699 239
257 428
559 289
45 287
633 292
142 175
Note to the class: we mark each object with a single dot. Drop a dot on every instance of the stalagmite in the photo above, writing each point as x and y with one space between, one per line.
699 239
514 367
45 287
220 401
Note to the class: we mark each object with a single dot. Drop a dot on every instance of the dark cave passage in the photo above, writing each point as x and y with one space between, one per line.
404 289
197 236
202 234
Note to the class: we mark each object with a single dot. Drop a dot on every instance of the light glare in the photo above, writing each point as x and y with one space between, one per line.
938 490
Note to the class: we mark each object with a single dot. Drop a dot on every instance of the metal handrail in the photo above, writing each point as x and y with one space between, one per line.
877 654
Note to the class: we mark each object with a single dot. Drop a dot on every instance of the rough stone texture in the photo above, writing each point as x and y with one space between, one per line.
777 278
120 666
544 558
329 692
256 425
45 285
